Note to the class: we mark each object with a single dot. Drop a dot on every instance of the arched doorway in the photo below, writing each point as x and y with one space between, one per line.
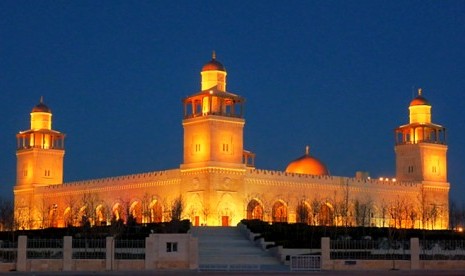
156 211
136 211
254 210
68 217
117 213
100 215
325 215
303 213
279 212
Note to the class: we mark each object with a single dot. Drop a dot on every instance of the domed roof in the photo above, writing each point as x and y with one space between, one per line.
41 107
307 165
213 65
419 100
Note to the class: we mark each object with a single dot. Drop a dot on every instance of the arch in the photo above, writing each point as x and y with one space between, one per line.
156 211
100 215
53 216
279 212
68 217
136 211
197 211
254 210
83 216
325 216
117 213
226 210
303 214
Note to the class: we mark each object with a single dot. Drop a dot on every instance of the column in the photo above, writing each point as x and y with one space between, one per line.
21 262
110 253
193 252
414 253
149 252
325 254
67 253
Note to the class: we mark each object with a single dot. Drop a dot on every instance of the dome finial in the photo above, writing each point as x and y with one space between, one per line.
41 99
419 91
213 55
307 150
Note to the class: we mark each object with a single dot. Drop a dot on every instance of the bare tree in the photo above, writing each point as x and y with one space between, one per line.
302 212
316 205
177 208
384 212
423 206
6 214
362 211
90 201
146 213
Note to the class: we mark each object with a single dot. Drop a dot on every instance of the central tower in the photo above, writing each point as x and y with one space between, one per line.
213 122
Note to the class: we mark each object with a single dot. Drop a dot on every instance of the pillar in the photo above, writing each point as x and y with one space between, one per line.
193 252
325 254
67 253
110 253
414 253
21 262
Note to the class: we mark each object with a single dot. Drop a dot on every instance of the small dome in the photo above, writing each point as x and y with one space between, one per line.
213 65
41 107
419 100
307 165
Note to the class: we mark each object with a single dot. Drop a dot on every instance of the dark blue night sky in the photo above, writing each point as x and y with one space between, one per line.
335 75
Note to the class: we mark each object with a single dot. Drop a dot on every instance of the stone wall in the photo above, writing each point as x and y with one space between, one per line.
162 251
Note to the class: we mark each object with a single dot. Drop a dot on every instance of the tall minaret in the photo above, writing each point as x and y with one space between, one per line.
421 145
213 122
40 151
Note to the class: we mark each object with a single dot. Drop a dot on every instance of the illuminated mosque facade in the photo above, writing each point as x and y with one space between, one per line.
217 183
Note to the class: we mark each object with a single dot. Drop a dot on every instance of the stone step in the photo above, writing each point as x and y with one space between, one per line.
226 247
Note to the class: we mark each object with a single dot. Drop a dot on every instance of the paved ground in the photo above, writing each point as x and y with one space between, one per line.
316 273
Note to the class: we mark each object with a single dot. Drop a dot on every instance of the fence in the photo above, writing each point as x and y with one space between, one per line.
305 263
8 251
106 254
370 250
442 250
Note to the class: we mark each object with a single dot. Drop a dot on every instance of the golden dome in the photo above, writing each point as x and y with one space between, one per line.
41 107
213 65
307 165
419 100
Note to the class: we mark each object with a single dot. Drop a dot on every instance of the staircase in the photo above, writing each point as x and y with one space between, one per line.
226 249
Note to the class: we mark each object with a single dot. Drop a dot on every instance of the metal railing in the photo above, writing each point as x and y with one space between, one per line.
44 249
370 250
305 263
442 250
130 249
89 248
8 251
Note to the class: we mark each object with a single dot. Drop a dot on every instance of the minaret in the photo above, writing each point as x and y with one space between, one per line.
421 145
213 122
40 151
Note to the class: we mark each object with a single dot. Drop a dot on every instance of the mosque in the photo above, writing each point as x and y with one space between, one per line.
217 183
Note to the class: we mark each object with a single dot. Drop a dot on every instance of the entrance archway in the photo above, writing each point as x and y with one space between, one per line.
254 210
325 215
279 212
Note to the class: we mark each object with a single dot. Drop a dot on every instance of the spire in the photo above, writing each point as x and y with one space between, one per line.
213 55
307 150
419 91
41 99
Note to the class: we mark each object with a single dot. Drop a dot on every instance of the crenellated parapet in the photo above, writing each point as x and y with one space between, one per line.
140 180
283 177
